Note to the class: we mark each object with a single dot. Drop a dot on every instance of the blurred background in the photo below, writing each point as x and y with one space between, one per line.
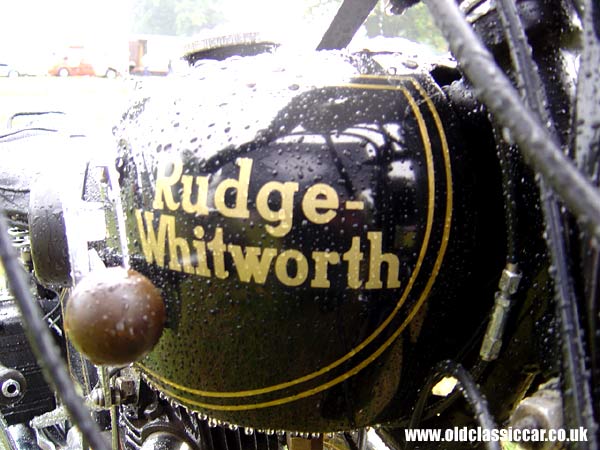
83 57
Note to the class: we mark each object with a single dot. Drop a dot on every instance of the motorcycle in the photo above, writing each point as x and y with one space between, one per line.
326 250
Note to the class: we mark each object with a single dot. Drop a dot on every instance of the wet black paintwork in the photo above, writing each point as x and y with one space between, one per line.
325 119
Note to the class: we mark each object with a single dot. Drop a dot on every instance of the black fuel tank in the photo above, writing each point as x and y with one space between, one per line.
316 227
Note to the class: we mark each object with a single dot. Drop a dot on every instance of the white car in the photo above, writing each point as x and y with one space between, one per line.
6 70
19 68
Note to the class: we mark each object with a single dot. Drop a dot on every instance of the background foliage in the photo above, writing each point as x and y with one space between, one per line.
189 17
415 24
175 17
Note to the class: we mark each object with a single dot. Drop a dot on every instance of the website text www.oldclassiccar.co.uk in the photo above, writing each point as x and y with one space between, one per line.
465 434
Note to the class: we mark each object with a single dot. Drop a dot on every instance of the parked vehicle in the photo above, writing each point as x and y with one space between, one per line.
153 55
6 70
14 69
77 61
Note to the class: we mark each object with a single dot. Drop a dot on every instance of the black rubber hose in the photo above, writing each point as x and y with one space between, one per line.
587 155
521 55
470 392
24 133
494 89
530 83
577 396
509 163
43 345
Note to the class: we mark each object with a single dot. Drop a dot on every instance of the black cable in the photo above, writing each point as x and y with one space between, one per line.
43 346
494 89
350 442
525 68
25 132
52 311
587 155
577 395
470 392
32 113
509 163
14 190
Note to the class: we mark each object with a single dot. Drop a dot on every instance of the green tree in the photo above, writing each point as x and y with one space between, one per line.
193 15
415 24
189 17
154 17
175 17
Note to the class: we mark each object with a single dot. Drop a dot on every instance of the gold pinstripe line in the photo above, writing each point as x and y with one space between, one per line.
412 313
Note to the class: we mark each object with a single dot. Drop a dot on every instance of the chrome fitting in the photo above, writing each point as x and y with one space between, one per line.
510 279
508 286
542 410
127 388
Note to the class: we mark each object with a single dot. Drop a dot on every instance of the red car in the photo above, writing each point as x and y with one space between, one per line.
77 62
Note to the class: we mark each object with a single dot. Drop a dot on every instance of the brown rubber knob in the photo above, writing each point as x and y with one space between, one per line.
114 316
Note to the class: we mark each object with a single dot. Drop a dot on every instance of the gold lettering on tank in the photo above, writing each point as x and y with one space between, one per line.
204 255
